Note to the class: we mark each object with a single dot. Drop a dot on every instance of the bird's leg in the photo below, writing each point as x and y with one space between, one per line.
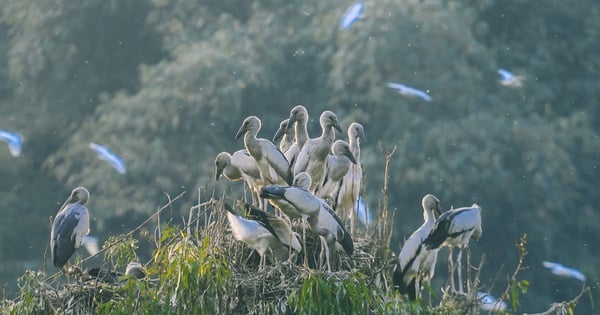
327 255
451 270
417 287
459 262
67 272
322 254
304 243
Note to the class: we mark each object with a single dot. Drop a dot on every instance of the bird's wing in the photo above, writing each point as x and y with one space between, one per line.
278 161
109 156
64 239
342 236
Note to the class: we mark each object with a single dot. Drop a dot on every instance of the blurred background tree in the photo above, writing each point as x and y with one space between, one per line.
167 84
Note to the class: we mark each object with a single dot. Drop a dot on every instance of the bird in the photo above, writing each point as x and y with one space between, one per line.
455 228
285 135
312 158
14 141
362 211
298 120
409 91
564 271
274 167
348 194
240 165
338 165
298 202
263 231
489 303
90 243
135 270
353 13
71 224
510 79
106 154
415 262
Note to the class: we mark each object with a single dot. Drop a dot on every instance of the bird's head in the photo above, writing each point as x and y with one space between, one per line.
272 192
298 113
283 129
342 148
251 123
357 131
432 203
328 119
222 160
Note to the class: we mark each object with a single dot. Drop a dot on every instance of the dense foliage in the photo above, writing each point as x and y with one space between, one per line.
166 84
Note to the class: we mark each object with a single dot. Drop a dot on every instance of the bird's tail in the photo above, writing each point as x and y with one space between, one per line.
229 208
437 236
402 287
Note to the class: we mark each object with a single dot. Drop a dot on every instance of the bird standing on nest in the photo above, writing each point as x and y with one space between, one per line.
71 224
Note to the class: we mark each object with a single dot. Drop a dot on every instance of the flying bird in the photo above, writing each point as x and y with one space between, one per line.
91 244
14 140
362 211
564 271
409 91
106 154
71 224
510 79
353 13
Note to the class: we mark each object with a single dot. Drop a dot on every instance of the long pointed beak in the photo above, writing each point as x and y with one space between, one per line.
240 132
218 172
68 201
362 136
350 156
278 134
337 127
291 121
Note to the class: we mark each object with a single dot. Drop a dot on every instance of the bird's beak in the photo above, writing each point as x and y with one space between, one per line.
337 126
350 156
241 131
272 192
218 172
362 136
68 201
278 134
291 121
436 210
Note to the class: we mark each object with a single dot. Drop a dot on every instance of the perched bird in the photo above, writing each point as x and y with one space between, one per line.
285 135
455 228
489 303
415 262
240 165
297 202
352 15
347 196
563 271
312 159
136 270
71 224
14 140
263 231
298 120
510 79
106 154
409 91
338 165
274 167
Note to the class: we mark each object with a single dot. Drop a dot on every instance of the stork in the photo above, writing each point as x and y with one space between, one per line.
347 196
455 228
312 159
285 135
263 231
415 262
71 224
240 165
298 120
338 165
274 167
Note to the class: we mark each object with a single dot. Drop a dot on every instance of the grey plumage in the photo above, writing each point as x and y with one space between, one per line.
338 165
350 187
285 135
71 223
239 165
298 120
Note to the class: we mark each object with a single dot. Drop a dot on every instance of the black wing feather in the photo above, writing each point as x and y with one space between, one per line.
63 244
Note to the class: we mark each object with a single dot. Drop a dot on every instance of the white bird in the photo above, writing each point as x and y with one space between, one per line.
91 244
312 159
136 270
14 141
240 165
298 120
415 262
455 228
564 271
350 188
285 135
274 167
106 154
352 15
263 231
510 79
338 165
362 211
409 91
71 224
298 202
489 303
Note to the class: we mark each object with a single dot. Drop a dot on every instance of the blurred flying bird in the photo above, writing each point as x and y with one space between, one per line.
489 303
409 91
352 15
91 244
71 224
563 271
510 79
14 140
362 211
106 154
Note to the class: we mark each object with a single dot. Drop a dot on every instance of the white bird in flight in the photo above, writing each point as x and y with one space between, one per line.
14 140
563 271
106 154
410 91
352 15
510 79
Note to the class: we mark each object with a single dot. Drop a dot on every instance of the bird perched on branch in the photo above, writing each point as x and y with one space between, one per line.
455 228
71 224
263 231
415 262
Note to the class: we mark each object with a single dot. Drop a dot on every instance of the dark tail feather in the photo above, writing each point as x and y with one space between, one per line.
229 208
403 288
437 236
347 243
